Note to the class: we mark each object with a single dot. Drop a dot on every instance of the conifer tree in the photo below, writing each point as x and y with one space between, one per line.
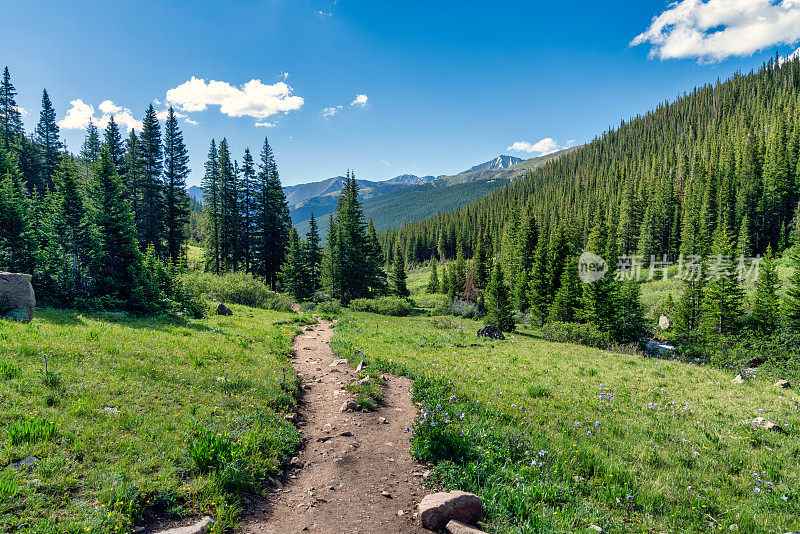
458 275
229 209
112 139
539 285
120 276
520 291
791 301
176 200
151 220
765 315
294 273
630 325
247 208
91 145
212 210
47 137
482 271
16 232
271 221
498 305
598 305
724 296
397 280
132 178
567 300
10 117
313 255
433 281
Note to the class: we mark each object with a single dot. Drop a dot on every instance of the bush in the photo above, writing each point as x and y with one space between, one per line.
465 309
393 306
235 288
329 307
210 451
583 334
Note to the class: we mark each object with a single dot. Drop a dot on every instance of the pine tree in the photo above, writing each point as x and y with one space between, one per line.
91 145
271 222
120 277
47 137
212 210
10 117
482 272
176 208
433 281
539 285
724 296
458 275
498 305
112 139
567 300
294 272
247 209
791 300
520 291
397 280
630 318
229 209
16 232
598 305
132 178
313 255
151 220
765 316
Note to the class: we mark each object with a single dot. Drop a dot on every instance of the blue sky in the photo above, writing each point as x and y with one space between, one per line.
444 85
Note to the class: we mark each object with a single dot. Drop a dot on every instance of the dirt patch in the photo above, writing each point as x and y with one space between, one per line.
357 473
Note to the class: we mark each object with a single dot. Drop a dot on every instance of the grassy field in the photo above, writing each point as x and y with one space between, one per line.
558 437
128 417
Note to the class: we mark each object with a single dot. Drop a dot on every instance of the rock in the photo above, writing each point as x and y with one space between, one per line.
291 417
783 384
383 421
437 509
338 362
658 348
491 332
457 527
386 494
223 310
112 410
26 463
349 406
663 322
201 527
295 463
360 366
17 299
766 424
365 380
595 528
755 362
739 379
309 329
346 434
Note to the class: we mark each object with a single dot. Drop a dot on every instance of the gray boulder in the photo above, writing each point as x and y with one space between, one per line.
491 332
223 310
17 299
438 509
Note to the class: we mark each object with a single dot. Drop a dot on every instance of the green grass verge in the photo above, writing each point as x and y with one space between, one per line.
556 437
133 418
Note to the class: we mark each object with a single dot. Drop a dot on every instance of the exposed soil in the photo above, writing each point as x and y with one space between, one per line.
358 475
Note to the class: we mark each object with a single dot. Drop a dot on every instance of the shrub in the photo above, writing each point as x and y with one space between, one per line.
583 334
465 309
31 431
235 288
393 306
329 307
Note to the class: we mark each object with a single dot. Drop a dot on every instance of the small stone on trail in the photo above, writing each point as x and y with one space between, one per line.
386 494
365 380
340 361
349 406
201 527
292 417
360 366
383 421
295 463
346 434
782 384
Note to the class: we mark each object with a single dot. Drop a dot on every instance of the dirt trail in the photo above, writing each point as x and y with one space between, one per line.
358 475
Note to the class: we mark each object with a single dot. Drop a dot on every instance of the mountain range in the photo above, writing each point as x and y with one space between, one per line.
406 197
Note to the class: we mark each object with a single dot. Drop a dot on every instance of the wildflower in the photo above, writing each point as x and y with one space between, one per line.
784 498
768 484
588 432
629 497
756 490
542 452
597 424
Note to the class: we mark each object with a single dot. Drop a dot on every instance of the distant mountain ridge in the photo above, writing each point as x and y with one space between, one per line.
500 162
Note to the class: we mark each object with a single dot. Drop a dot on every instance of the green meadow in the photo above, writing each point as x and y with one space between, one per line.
122 419
558 437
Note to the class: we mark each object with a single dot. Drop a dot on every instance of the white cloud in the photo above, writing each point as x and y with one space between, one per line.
79 114
713 30
544 146
327 113
190 121
360 101
22 111
164 113
267 124
284 75
253 99
794 55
